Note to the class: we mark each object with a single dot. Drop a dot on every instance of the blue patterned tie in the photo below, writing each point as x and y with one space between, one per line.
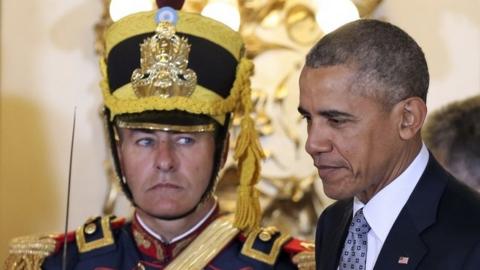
354 254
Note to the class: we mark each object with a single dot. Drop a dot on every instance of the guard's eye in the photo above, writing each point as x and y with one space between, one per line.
185 140
145 142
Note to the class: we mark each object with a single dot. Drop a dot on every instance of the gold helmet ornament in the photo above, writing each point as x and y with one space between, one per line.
176 71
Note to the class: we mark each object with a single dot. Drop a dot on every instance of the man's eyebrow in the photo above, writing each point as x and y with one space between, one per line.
335 114
302 111
328 113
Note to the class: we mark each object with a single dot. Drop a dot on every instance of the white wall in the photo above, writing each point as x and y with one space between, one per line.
449 33
48 66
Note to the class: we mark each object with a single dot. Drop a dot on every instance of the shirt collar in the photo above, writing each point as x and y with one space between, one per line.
181 236
385 206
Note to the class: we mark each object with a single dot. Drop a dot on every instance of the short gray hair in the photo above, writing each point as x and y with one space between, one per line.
390 64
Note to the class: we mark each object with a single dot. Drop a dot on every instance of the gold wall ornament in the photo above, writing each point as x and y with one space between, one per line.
256 45
301 25
254 12
163 68
366 7
194 6
101 26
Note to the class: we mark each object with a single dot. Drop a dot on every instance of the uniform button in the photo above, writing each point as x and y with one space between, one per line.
265 236
90 228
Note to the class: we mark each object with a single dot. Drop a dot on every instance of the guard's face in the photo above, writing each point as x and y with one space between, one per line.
166 172
353 141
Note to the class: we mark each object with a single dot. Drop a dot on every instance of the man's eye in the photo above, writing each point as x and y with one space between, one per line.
185 140
336 121
306 117
145 142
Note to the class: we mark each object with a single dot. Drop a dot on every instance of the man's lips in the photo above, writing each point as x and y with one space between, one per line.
327 167
164 186
325 171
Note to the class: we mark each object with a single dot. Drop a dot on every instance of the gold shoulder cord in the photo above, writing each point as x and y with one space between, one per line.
29 252
206 246
264 234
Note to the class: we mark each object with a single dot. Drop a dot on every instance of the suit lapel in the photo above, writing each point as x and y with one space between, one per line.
334 241
404 247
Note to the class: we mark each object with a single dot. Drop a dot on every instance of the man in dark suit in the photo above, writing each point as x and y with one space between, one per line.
363 94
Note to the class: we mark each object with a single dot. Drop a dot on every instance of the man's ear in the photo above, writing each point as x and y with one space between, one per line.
226 145
412 112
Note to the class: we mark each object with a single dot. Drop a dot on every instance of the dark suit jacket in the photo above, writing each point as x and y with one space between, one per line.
437 229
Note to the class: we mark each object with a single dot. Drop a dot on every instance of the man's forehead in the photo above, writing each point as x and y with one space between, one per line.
346 73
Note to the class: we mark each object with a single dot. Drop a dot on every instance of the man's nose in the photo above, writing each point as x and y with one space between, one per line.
318 140
165 156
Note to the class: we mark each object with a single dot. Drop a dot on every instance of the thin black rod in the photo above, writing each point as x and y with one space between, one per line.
64 259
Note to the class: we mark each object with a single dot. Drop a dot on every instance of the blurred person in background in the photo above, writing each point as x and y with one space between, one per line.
452 133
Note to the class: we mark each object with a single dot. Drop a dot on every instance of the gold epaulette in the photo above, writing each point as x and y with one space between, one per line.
264 244
303 253
305 260
96 233
29 252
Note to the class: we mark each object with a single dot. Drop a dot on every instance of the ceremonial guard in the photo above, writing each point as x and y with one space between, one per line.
172 83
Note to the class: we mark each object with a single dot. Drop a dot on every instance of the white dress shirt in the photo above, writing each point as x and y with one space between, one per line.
383 209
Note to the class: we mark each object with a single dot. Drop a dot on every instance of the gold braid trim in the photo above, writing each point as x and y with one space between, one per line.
188 23
218 107
29 252
206 246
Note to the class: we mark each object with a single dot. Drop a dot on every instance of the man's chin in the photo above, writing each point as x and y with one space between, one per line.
336 194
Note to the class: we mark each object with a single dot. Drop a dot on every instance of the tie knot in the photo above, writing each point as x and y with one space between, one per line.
359 223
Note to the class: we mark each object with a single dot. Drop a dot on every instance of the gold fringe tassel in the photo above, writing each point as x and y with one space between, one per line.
248 152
